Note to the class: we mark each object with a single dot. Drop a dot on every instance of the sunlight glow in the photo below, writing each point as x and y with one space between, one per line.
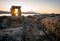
16 12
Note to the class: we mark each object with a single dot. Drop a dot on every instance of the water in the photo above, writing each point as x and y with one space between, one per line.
21 14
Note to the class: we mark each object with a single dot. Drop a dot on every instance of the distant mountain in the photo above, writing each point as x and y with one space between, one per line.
30 12
6 12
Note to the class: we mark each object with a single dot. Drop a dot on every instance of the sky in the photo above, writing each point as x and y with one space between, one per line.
41 6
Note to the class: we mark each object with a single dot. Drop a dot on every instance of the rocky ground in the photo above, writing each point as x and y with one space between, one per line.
30 28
